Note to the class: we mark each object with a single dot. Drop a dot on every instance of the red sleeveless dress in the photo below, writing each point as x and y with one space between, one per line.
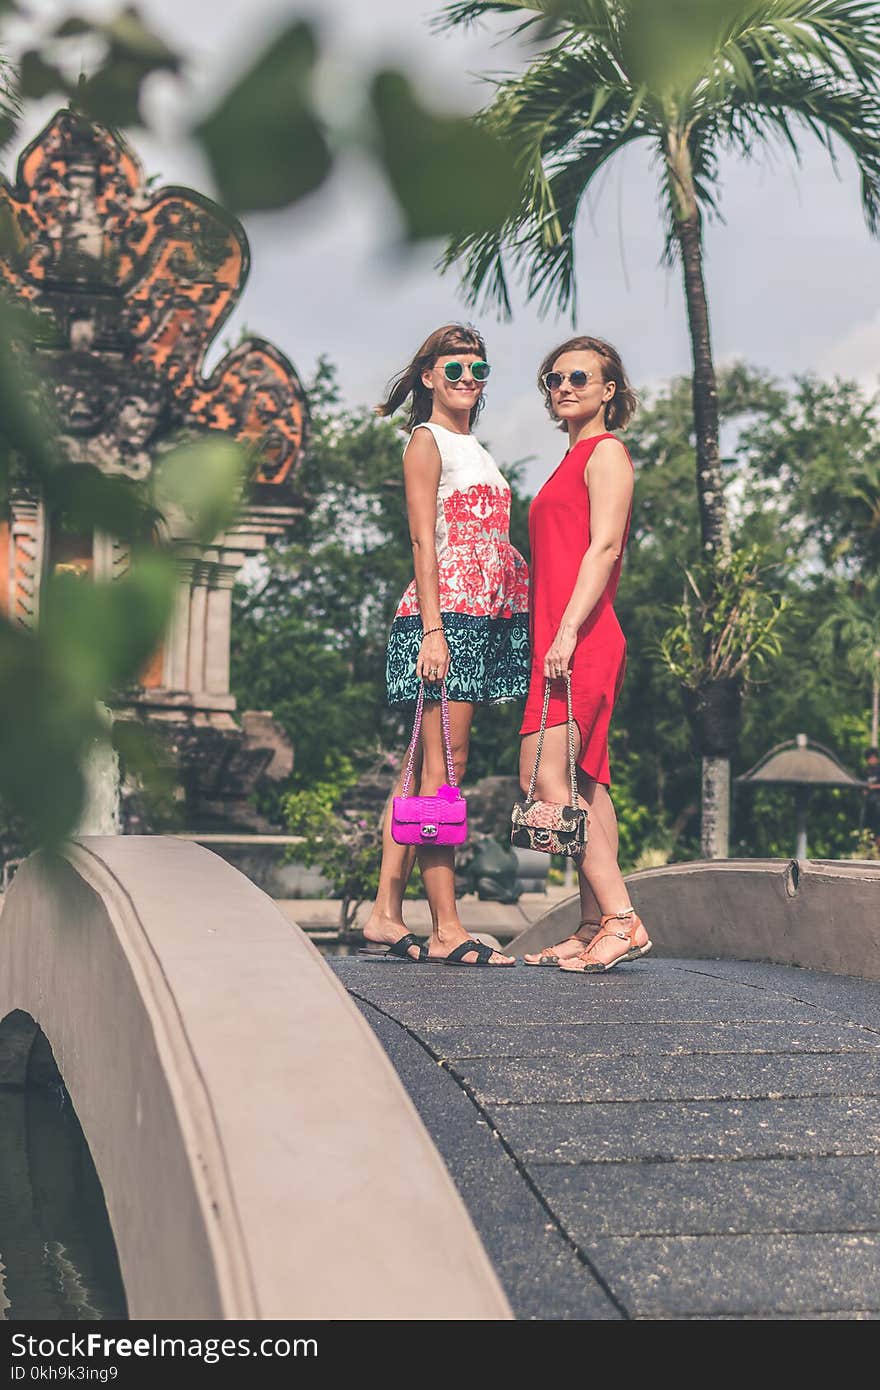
559 532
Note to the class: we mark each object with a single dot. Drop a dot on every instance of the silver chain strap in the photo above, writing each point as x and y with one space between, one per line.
571 769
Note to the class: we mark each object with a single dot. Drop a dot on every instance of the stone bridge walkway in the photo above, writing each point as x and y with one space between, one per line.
677 1139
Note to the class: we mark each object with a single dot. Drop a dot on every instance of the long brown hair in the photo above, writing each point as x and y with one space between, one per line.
408 384
622 406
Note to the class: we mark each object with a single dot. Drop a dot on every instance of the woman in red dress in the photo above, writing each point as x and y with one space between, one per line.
578 525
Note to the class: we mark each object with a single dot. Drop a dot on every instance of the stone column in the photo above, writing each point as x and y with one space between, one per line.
102 564
27 527
112 558
198 615
176 673
218 630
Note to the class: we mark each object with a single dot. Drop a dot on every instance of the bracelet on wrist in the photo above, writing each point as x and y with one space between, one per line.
426 632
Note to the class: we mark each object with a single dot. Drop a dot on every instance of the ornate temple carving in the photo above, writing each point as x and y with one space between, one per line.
136 283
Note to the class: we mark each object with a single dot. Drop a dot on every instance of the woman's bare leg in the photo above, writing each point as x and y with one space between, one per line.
604 842
598 869
602 812
385 923
437 863
590 910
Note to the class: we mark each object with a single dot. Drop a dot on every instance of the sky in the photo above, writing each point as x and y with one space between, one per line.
792 273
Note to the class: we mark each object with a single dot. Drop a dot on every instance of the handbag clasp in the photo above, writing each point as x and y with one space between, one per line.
429 832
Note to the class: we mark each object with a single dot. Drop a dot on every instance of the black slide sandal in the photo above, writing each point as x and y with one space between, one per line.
397 950
483 953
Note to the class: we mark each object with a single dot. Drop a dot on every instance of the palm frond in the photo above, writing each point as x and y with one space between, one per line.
544 250
843 35
578 14
536 244
484 277
10 100
563 119
780 105
466 14
772 70
840 38
577 85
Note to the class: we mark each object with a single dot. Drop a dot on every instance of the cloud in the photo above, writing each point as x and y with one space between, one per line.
856 353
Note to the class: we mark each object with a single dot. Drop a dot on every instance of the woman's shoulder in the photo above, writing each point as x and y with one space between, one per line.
460 454
422 442
446 441
607 449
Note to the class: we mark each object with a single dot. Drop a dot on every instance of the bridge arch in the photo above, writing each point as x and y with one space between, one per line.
258 1154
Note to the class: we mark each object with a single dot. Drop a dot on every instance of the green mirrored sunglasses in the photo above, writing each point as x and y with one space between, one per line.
454 371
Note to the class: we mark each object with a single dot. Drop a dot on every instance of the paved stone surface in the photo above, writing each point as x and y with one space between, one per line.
645 1040
541 1264
620 1132
658 1277
678 1139
784 1196
740 1076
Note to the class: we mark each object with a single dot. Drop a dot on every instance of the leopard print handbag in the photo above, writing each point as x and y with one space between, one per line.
544 825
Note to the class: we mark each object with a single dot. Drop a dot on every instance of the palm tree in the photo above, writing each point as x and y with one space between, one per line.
10 100
693 80
851 633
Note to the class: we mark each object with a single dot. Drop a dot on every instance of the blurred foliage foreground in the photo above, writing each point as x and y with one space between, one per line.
269 142
802 472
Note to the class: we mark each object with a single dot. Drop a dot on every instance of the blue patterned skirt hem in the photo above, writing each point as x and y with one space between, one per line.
489 659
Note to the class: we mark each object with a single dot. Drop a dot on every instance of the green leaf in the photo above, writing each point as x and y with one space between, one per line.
37 78
73 28
85 499
145 755
100 634
265 145
112 95
42 732
93 638
669 46
25 415
129 37
450 175
201 482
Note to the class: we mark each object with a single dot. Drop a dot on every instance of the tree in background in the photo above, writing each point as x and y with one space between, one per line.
694 80
852 634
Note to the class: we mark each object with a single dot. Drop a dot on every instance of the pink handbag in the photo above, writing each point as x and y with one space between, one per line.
430 820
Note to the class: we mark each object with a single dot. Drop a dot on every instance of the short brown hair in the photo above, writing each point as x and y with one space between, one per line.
622 406
408 384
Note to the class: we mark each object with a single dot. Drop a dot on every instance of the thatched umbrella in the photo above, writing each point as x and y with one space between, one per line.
802 764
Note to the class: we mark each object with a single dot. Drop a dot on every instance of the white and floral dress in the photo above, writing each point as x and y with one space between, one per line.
484 586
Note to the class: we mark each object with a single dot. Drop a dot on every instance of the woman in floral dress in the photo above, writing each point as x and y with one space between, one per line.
462 620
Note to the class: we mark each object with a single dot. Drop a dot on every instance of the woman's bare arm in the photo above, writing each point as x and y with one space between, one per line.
609 480
421 476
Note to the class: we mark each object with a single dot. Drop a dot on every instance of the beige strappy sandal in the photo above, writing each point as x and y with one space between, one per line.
550 956
632 951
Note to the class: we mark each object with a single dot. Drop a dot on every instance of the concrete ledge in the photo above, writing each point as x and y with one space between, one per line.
822 914
258 1154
